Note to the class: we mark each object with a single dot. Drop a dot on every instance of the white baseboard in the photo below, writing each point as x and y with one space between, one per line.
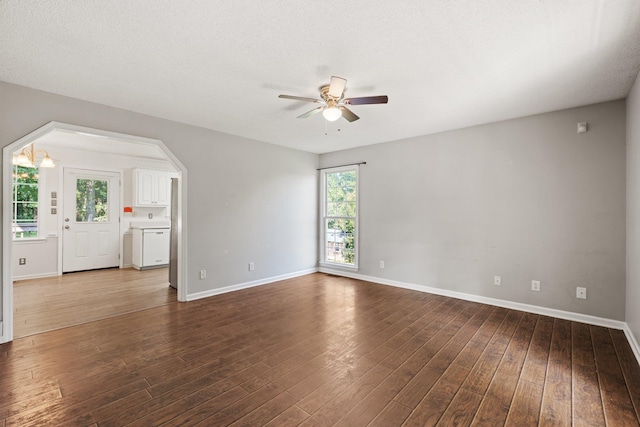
5 334
535 309
218 291
632 342
35 276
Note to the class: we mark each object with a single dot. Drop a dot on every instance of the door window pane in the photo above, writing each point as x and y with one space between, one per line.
91 200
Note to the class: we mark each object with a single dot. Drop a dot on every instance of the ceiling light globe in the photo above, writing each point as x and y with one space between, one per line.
332 113
23 160
47 163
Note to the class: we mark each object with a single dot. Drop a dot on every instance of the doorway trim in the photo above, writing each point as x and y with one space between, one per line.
60 221
114 207
6 324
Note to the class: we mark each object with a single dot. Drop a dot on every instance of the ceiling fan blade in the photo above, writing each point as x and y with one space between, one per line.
336 86
382 99
311 113
299 98
348 114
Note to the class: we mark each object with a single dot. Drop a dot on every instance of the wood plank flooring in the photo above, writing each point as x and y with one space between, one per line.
321 350
49 303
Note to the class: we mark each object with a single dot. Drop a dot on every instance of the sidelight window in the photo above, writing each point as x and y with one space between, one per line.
25 222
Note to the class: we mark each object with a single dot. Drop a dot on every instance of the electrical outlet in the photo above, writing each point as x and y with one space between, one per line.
497 280
251 266
581 293
22 261
535 285
381 264
203 274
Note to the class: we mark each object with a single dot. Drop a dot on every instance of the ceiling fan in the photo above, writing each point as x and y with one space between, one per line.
333 105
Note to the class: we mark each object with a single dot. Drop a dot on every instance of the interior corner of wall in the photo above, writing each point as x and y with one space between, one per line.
633 342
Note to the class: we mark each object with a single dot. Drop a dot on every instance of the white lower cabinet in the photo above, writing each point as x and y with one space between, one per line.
150 247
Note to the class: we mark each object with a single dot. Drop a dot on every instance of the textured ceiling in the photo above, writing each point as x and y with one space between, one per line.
222 64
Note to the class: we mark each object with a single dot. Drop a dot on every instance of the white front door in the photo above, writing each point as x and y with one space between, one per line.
91 225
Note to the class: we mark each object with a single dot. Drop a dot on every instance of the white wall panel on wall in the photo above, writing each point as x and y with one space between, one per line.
41 259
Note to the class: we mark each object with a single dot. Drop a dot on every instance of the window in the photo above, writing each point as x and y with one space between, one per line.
25 202
91 200
340 216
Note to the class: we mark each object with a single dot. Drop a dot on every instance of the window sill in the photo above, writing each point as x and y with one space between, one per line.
335 266
28 241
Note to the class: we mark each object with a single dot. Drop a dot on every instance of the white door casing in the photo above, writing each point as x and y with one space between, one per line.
91 226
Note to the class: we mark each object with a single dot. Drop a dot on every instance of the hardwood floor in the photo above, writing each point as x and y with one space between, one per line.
321 350
50 303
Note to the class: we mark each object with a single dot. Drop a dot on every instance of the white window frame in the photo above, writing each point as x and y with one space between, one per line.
323 218
40 221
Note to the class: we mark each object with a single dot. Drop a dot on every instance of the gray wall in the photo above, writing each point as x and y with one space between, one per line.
633 210
523 199
247 200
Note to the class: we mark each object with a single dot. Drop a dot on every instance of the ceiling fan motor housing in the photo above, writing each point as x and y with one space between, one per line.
324 92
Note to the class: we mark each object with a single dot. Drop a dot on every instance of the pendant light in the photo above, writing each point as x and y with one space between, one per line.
27 158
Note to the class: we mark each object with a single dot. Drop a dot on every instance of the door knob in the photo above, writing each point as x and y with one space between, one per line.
66 220
66 227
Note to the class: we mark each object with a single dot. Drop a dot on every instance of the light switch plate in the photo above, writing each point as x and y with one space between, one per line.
583 127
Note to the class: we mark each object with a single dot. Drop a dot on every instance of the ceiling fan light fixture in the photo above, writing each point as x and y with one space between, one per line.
332 113
334 105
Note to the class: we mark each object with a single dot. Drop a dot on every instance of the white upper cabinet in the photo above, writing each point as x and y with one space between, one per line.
151 187
164 189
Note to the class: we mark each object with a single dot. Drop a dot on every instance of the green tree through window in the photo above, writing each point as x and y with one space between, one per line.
340 215
91 200
25 202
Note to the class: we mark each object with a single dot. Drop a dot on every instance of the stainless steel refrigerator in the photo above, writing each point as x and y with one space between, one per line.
173 246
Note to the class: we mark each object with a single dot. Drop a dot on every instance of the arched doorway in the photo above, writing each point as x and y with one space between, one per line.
133 144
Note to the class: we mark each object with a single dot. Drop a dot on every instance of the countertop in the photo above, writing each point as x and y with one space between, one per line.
142 225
